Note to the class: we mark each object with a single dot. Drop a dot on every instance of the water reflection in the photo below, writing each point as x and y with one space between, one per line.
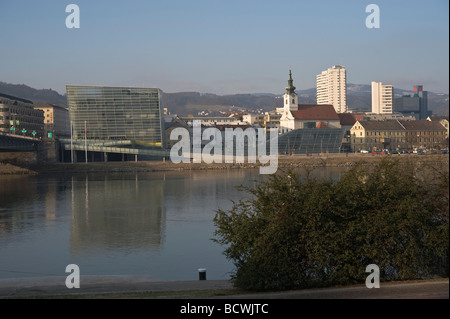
115 213
159 224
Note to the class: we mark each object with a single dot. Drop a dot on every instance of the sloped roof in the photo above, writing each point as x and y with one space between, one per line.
318 112
381 125
438 118
423 125
347 118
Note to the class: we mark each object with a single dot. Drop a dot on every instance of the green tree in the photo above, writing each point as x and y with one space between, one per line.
296 231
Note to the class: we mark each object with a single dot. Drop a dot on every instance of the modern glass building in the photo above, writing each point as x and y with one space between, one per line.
310 141
109 114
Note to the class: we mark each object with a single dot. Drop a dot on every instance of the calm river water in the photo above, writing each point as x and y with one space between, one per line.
158 224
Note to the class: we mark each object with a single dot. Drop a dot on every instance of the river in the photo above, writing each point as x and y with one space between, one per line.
158 224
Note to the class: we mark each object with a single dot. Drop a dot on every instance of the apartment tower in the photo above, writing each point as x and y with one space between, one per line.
332 88
382 98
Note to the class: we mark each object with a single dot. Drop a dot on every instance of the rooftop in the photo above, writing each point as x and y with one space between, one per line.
316 112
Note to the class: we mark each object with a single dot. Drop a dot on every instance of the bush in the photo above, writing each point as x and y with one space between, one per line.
296 231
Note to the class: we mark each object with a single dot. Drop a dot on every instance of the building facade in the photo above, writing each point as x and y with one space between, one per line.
441 119
332 88
116 113
56 120
415 105
395 134
18 117
305 116
382 98
211 120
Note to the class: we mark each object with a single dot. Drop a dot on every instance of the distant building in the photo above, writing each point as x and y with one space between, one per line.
441 119
168 128
382 98
393 116
416 105
105 113
272 120
211 120
253 119
56 120
332 88
19 117
347 120
424 134
302 116
396 134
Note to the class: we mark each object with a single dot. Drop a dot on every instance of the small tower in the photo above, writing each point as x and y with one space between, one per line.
290 97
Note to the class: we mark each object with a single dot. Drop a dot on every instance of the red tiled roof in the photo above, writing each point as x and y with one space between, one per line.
347 118
322 125
315 112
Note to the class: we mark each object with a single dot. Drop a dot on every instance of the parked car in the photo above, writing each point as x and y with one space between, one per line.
364 152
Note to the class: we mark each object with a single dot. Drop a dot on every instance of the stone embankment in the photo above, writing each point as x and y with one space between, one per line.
284 162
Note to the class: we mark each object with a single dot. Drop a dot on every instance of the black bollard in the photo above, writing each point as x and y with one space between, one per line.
202 274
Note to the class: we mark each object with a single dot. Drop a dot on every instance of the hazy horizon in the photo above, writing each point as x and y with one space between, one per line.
233 47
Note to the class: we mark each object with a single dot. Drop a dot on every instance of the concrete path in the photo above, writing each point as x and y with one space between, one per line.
42 286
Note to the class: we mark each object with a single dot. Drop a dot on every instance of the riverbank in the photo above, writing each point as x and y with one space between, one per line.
144 287
284 162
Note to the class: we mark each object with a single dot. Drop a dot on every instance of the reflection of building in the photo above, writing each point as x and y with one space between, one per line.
18 116
56 120
382 96
115 214
116 113
332 88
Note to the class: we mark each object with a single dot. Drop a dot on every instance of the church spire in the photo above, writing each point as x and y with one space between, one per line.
290 88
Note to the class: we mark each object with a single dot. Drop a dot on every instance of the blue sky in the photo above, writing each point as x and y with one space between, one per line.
223 47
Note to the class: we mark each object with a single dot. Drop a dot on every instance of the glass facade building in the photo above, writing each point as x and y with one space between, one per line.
310 141
116 113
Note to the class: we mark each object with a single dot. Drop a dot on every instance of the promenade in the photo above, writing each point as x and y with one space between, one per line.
130 287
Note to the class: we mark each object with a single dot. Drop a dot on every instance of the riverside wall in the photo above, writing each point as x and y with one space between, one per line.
284 163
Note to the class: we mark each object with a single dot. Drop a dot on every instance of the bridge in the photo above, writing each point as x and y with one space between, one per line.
114 147
11 142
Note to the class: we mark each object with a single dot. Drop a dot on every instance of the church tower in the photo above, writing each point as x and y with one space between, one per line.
290 97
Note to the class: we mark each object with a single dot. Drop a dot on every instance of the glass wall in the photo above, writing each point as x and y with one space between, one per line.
116 113
309 141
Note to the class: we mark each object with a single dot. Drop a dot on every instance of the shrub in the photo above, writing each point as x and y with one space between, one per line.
296 231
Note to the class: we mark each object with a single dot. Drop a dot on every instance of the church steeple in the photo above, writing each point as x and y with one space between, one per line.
290 88
290 97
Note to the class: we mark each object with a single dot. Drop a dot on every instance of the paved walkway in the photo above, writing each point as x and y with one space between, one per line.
43 286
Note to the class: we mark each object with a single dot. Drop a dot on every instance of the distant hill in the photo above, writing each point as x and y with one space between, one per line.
28 93
185 103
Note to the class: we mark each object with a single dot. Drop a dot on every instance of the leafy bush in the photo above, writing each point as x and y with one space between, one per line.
296 231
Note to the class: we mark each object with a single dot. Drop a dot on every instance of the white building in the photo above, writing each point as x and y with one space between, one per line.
332 88
382 98
300 116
